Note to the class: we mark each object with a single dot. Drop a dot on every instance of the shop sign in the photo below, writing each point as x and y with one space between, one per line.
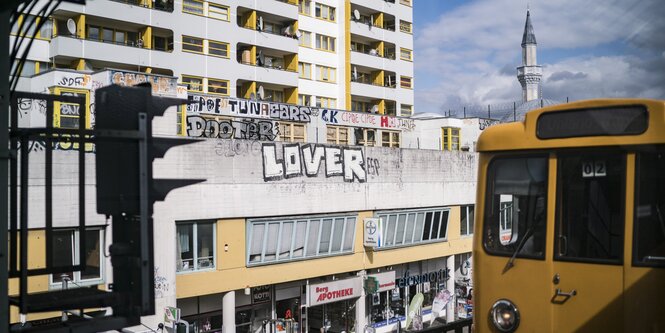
371 285
386 280
411 280
372 232
334 291
261 294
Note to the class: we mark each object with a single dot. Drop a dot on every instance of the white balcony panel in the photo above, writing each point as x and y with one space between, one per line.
362 59
279 8
366 30
107 8
263 39
267 75
66 47
369 90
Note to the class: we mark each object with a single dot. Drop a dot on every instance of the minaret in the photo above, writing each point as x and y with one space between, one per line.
529 73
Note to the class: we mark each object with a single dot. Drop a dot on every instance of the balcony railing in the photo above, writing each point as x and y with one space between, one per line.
157 5
136 44
390 56
385 26
369 82
277 67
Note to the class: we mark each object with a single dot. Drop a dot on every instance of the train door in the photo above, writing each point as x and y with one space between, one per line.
644 289
587 284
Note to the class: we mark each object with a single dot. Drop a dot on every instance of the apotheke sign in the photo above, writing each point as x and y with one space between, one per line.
334 291
386 280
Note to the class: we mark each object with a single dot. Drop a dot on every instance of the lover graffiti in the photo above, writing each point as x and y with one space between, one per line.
247 129
306 159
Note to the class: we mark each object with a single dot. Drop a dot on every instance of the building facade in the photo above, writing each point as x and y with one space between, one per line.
309 145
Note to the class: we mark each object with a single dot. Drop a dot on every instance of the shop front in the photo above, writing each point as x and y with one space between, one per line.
331 305
415 299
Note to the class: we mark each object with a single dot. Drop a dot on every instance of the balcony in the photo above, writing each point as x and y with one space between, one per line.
372 90
374 32
372 61
75 48
165 6
529 70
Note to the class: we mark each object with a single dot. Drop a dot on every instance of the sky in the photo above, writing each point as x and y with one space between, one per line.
466 51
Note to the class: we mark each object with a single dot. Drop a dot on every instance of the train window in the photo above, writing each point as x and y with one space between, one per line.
649 227
590 207
515 213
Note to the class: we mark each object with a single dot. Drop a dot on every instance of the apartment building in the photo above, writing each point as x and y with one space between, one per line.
306 107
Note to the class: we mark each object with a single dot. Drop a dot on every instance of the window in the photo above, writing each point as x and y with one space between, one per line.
326 102
291 132
93 32
466 220
365 137
406 110
337 135
649 227
327 74
162 43
360 106
195 244
193 83
305 7
325 12
305 70
46 31
410 227
450 138
516 193
68 115
390 139
192 44
180 121
405 82
66 245
192 6
305 38
299 238
325 43
305 100
218 49
273 95
405 2
216 86
218 12
590 196
405 54
405 26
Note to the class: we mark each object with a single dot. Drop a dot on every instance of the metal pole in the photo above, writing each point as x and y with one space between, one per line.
489 113
514 111
465 112
4 158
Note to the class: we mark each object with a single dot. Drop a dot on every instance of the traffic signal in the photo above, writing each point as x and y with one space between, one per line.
126 190
125 149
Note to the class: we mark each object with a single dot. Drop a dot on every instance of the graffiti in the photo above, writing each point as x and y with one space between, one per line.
66 144
373 166
249 129
73 80
485 123
78 81
230 148
160 85
346 162
161 284
248 108
359 119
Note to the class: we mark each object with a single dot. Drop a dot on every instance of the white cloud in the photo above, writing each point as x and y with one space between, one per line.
471 52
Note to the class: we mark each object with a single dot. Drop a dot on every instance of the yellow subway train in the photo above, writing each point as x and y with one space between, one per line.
570 220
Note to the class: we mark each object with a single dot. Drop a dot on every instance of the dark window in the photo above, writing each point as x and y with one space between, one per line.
590 202
649 228
516 192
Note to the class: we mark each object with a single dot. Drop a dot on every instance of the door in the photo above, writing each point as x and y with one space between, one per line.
644 289
587 284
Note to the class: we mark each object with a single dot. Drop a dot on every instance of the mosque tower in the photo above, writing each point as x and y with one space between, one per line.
529 74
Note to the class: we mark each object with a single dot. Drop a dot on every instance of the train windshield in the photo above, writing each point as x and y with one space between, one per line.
515 214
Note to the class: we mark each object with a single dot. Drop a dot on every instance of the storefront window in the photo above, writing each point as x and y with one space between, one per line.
253 319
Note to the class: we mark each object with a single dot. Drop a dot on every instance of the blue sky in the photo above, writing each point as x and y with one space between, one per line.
466 51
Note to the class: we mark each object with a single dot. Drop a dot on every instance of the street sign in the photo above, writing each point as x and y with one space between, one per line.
171 314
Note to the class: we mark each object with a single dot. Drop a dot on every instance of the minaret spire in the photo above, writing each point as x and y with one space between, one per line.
529 74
